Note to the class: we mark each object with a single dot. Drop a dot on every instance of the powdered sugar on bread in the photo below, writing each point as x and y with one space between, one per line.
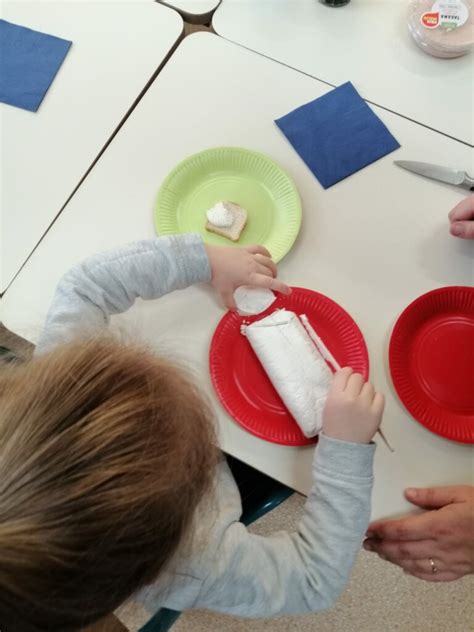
227 219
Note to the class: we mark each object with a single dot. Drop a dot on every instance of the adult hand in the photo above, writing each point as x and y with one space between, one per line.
461 219
232 267
443 535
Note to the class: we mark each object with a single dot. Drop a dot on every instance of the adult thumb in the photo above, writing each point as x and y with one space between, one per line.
465 230
432 497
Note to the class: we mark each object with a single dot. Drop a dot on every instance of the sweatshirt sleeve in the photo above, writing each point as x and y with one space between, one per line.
304 571
109 283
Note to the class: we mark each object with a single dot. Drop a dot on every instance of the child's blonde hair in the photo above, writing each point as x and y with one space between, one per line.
105 452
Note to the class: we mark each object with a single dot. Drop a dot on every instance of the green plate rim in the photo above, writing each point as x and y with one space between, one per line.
298 212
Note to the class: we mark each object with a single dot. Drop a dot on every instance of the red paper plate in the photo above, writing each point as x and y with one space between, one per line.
243 386
431 359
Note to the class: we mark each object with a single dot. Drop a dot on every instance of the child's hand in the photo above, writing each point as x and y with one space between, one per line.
233 267
353 410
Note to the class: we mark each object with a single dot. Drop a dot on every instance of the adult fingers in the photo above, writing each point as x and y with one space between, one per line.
430 571
434 497
445 576
400 549
463 211
420 566
435 569
419 527
464 229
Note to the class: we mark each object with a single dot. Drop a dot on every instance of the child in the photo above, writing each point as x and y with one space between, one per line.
110 482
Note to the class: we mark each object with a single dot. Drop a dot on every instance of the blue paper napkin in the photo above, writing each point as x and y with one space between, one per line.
337 134
29 61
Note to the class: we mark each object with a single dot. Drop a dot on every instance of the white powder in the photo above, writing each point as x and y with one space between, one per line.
220 215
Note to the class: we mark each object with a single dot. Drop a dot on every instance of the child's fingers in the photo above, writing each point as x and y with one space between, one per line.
263 269
259 269
368 392
229 300
355 384
258 250
378 404
261 280
341 378
268 263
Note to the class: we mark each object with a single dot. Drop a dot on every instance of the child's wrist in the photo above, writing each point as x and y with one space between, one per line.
346 436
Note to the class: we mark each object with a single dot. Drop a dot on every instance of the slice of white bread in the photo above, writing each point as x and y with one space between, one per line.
233 231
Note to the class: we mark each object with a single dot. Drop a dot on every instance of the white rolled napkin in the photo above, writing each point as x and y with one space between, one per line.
294 365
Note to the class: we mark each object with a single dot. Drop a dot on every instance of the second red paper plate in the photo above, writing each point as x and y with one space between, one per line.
431 359
243 386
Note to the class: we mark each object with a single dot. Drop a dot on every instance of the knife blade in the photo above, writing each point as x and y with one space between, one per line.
436 172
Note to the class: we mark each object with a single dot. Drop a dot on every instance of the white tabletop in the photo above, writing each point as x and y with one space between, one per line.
366 42
194 11
373 242
45 154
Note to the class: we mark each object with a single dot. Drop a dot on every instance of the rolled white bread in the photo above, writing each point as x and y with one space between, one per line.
294 366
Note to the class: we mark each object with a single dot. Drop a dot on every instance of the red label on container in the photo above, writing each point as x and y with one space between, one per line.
430 20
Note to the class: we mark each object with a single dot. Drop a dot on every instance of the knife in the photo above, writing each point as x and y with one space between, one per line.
435 172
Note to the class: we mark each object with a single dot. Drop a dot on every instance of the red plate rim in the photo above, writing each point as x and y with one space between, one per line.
436 420
301 440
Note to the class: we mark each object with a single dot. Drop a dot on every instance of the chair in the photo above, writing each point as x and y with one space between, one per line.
6 355
260 494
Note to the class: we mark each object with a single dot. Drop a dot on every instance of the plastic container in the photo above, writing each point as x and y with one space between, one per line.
443 28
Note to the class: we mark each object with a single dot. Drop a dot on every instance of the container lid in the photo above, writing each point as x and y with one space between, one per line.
442 27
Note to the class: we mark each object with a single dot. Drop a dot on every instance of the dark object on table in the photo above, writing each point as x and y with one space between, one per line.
334 3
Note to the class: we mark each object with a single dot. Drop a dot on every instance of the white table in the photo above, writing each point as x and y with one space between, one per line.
116 49
373 242
366 42
193 11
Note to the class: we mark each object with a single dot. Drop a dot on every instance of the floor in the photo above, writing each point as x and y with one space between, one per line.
14 344
379 597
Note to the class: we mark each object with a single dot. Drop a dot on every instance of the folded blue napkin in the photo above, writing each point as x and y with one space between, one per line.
337 134
29 61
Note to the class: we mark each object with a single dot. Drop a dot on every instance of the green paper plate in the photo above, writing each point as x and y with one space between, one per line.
239 175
